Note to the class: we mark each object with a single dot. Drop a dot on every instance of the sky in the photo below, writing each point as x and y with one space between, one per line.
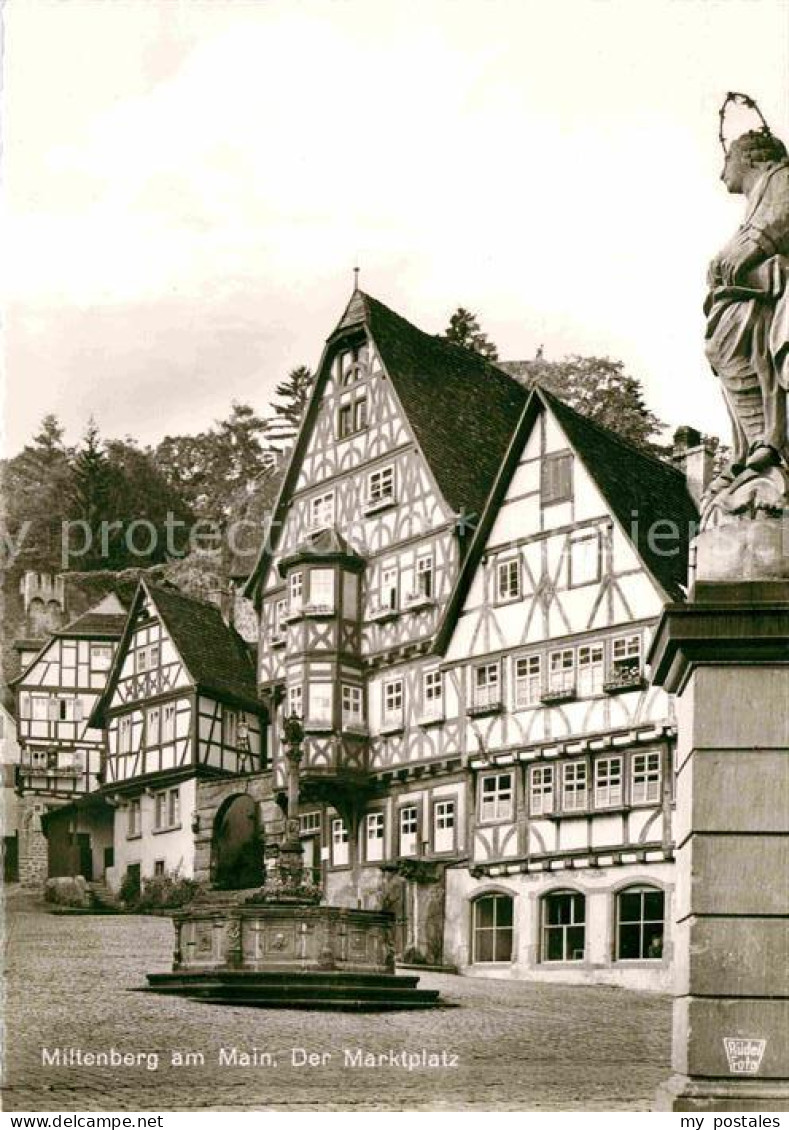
188 184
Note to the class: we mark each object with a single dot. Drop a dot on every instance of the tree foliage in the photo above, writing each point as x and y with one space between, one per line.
293 393
464 329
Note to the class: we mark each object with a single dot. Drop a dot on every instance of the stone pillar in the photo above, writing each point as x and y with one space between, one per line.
725 655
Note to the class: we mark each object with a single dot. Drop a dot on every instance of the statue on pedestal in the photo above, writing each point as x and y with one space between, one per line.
747 337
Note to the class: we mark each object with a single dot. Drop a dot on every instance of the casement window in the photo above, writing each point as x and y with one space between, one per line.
134 819
574 786
321 705
309 824
173 808
39 707
24 705
487 685
432 694
65 709
380 486
374 836
390 587
443 825
563 926
645 778
492 918
296 701
353 415
280 612
353 364
322 511
158 868
591 670
556 478
496 797
295 591
528 680
146 658
561 670
168 722
322 589
352 709
508 580
393 702
39 760
409 830
229 727
125 734
626 656
640 917
542 790
100 656
339 843
153 726
607 782
584 560
160 811
424 575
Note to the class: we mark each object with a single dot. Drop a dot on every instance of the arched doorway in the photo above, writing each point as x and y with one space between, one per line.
236 851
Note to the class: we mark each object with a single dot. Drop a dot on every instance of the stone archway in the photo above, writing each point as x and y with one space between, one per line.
236 851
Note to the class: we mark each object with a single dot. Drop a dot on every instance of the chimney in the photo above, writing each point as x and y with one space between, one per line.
694 454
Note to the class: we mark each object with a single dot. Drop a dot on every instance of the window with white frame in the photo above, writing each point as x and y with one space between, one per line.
296 700
134 825
280 612
160 811
229 727
146 658
561 672
574 786
487 685
393 702
322 589
173 808
352 417
508 580
640 914
68 709
563 926
168 722
153 726
424 575
309 823
352 365
492 929
626 656
125 734
321 703
390 587
433 694
374 836
100 656
496 797
584 562
322 511
443 825
541 790
339 843
39 707
352 709
607 782
645 779
591 670
528 680
409 830
380 486
295 591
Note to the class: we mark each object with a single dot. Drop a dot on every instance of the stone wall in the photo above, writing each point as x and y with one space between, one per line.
33 849
211 795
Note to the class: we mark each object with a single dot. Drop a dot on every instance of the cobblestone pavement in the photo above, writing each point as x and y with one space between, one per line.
520 1046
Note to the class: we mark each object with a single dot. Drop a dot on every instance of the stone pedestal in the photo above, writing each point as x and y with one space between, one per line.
725 655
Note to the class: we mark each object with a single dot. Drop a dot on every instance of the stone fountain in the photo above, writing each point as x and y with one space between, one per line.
278 947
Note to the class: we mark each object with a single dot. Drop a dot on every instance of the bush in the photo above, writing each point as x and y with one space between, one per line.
166 892
413 956
129 892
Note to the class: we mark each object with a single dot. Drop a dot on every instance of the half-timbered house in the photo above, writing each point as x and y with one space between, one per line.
180 705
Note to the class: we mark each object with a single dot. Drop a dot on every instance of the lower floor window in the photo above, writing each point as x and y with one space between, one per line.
640 917
492 928
563 926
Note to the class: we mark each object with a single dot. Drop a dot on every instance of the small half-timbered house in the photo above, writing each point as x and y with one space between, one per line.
180 705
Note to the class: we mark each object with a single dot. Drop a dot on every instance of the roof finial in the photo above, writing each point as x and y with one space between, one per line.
356 278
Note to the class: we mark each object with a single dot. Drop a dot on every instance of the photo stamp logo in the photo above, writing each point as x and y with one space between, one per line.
744 1056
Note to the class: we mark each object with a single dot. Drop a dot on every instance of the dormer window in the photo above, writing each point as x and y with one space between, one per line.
352 366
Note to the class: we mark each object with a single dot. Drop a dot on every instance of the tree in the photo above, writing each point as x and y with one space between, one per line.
599 389
464 329
36 486
294 392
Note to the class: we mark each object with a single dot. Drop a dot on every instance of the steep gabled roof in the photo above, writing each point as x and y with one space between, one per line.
104 620
639 489
462 408
215 656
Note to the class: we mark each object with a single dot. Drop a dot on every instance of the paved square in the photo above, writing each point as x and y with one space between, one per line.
519 1046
